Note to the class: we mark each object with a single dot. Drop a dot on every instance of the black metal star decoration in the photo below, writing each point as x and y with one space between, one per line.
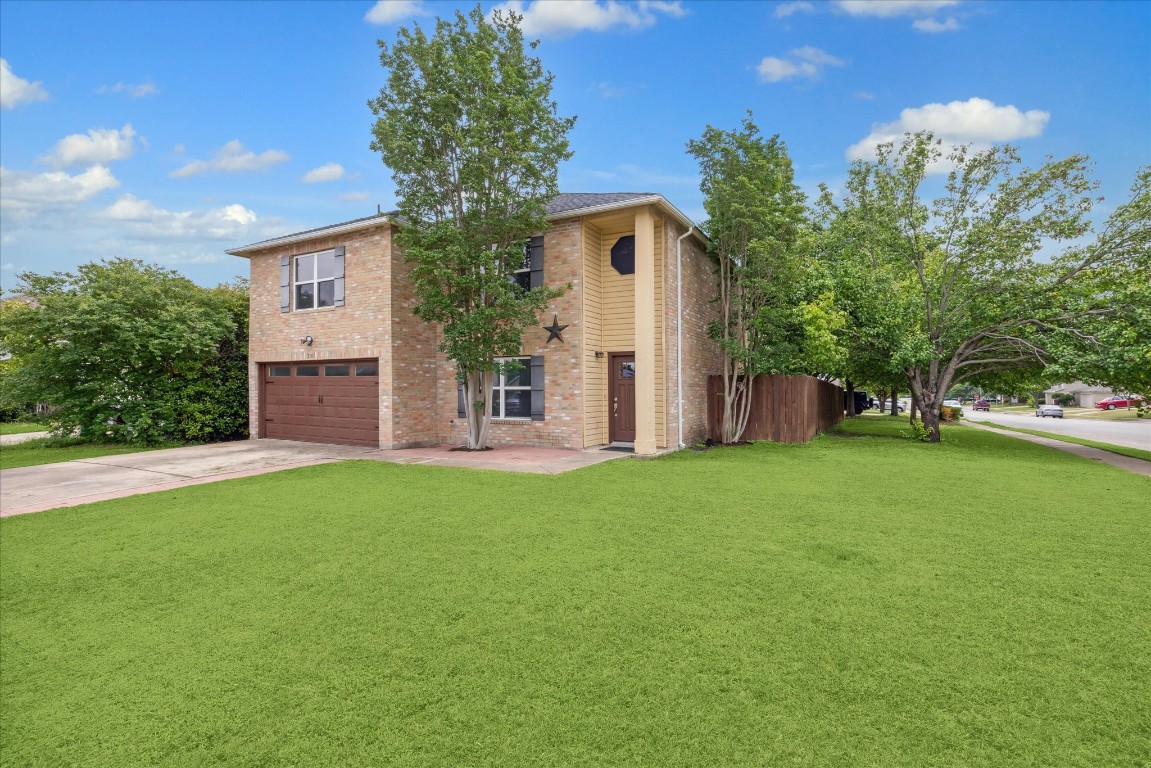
555 330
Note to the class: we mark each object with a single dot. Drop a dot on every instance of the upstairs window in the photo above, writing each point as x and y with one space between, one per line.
523 276
312 280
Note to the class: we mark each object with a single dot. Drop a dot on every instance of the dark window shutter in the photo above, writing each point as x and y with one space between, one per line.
285 283
536 257
339 293
537 364
460 412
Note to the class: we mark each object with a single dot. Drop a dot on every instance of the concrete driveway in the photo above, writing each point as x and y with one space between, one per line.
32 489
68 483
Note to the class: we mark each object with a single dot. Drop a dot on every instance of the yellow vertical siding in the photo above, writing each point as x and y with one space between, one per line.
617 325
594 369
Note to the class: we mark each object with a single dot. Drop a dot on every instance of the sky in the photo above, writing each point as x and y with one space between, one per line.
171 132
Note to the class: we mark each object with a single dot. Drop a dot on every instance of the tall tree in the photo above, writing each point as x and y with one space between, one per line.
983 298
1114 348
468 127
130 352
756 218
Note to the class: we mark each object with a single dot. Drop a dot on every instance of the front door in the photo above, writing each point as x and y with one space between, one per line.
621 397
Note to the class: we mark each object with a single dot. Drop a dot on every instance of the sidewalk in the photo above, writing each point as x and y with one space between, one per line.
1129 463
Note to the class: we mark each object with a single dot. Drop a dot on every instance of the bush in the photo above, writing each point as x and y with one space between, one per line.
130 352
950 413
1065 399
919 432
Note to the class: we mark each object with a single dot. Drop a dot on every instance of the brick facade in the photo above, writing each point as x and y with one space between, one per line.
418 391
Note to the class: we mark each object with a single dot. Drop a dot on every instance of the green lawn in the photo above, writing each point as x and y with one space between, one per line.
859 601
47 450
1122 450
21 428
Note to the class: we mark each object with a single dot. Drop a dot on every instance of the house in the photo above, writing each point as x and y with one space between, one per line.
1086 395
336 354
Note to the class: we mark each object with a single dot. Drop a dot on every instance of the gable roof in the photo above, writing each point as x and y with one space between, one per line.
308 234
572 202
562 206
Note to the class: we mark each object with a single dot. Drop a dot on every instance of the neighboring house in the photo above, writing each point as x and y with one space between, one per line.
336 354
1086 395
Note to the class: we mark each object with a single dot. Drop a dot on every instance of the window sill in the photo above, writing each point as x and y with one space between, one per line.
313 310
513 420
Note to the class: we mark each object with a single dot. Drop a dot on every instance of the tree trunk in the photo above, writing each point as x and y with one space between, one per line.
849 394
477 410
895 402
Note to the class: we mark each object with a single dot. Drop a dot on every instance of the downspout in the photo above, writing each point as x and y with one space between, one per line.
679 327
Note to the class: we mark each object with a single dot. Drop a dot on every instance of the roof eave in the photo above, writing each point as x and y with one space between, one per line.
622 204
247 250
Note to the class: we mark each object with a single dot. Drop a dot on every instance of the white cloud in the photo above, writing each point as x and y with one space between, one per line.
16 90
326 172
233 158
979 122
23 193
354 197
890 8
865 95
566 17
783 10
98 146
135 90
388 11
145 220
800 62
933 26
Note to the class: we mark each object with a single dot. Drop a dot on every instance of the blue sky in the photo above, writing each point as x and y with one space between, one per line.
173 131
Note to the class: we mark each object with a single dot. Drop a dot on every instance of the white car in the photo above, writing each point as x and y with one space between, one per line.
1053 411
953 403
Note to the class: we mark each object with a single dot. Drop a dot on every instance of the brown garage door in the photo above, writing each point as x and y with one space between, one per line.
335 401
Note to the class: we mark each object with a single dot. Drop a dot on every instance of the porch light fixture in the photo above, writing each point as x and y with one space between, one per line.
599 354
306 341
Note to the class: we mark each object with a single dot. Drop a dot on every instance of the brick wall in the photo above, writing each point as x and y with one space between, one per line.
701 355
357 330
562 426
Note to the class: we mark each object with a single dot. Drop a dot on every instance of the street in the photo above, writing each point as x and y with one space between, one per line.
1131 434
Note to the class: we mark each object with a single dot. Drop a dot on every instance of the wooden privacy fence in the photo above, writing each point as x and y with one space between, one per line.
784 409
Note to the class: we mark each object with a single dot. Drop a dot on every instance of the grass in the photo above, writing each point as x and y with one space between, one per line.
1122 450
862 600
20 428
51 450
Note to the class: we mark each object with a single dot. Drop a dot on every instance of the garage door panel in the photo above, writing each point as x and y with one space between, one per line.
348 414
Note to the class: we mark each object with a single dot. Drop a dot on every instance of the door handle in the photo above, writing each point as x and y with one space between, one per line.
321 398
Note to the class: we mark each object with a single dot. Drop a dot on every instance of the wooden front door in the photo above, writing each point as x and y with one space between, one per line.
621 397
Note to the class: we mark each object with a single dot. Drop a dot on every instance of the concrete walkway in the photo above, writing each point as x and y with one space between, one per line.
1129 463
69 483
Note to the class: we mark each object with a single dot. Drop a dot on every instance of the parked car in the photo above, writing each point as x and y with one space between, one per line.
953 403
1049 410
983 405
1113 402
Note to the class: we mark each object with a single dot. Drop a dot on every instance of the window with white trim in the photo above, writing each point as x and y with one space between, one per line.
512 391
314 280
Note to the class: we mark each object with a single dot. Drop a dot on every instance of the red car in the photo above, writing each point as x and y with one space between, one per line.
1113 402
983 405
